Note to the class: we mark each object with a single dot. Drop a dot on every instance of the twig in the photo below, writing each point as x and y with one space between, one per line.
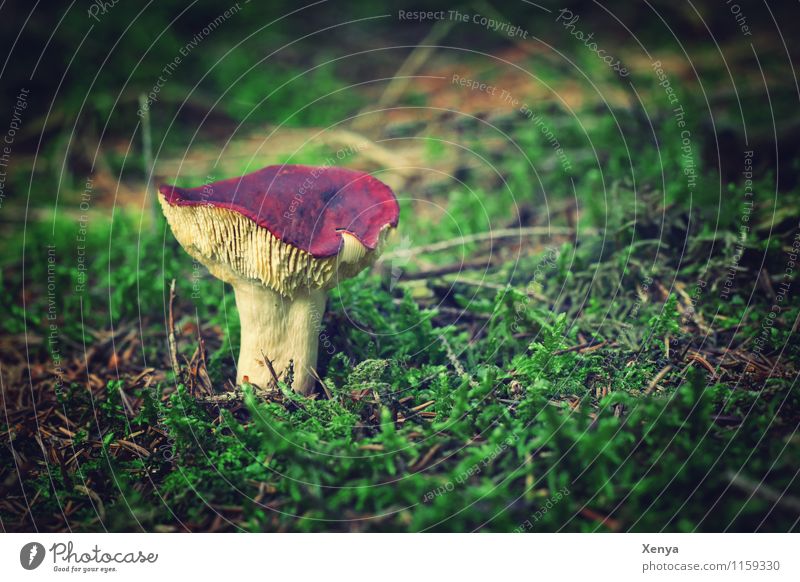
696 316
125 402
423 406
610 522
588 346
765 283
447 270
453 311
426 457
203 366
101 510
763 491
657 378
173 344
321 383
270 367
696 357
371 447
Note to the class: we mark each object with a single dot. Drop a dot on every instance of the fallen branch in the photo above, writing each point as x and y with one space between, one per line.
448 270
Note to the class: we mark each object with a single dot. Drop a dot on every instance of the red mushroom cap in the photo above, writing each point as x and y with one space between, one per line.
305 206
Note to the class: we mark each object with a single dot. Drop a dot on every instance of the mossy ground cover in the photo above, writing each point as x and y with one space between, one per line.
576 388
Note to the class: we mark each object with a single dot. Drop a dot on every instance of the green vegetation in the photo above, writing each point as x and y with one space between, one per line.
516 411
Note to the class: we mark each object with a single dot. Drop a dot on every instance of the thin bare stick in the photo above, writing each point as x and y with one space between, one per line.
454 361
270 367
657 378
423 406
321 383
497 287
449 269
499 234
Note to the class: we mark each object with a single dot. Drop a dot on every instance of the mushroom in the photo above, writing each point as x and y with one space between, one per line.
282 237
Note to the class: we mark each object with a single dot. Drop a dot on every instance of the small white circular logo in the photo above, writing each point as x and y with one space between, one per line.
31 555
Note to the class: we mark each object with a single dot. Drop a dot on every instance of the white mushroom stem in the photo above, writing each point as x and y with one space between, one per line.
280 329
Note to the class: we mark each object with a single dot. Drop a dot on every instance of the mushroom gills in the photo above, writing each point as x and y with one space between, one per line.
353 249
